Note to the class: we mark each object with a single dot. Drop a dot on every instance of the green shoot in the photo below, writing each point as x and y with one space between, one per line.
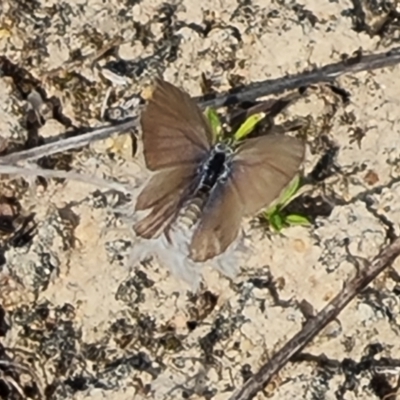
245 129
215 123
248 126
275 214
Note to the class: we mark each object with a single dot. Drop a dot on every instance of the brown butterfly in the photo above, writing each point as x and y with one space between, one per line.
178 146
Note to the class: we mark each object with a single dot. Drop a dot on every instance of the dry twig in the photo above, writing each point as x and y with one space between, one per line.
314 325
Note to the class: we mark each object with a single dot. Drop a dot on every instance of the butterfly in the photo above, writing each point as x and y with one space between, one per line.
239 181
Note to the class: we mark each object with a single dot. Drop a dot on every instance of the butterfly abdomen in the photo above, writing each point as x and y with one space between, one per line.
190 214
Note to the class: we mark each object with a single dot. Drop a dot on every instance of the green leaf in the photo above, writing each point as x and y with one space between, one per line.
297 219
276 222
290 191
270 211
248 125
284 200
215 122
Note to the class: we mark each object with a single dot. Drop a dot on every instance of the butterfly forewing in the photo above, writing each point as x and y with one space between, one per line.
219 224
175 131
263 167
165 194
176 138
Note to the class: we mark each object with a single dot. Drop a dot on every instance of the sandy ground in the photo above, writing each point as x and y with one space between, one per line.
94 324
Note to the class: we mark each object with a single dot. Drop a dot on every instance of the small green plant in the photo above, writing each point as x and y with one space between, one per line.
248 126
275 215
215 123
245 129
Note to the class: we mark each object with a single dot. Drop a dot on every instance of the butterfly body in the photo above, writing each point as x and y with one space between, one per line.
187 165
216 167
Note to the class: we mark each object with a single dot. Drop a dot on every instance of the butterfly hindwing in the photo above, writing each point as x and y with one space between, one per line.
163 184
219 224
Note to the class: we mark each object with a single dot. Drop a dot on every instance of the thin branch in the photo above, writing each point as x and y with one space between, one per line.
313 326
328 73
70 175
69 143
250 92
